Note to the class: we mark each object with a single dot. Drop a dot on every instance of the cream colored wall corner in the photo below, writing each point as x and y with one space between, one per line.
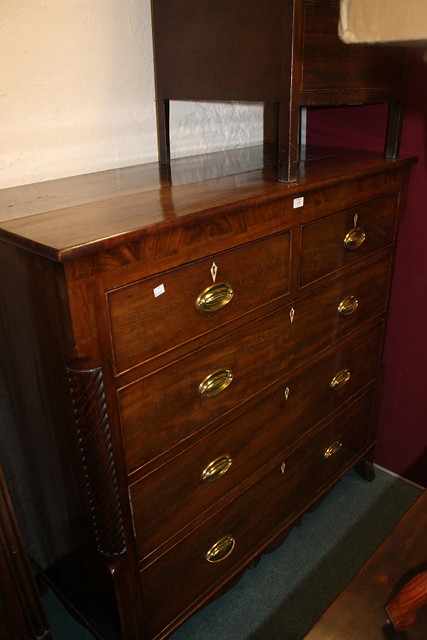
77 93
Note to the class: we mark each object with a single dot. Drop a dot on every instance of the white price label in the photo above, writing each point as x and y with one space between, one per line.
159 290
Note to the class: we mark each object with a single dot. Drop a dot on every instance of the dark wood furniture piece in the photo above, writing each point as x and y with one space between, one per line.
21 613
359 612
285 53
403 608
198 355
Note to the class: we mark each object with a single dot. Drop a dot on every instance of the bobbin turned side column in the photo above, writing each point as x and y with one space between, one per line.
96 448
90 410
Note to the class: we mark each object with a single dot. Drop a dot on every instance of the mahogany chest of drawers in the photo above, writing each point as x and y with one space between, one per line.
194 353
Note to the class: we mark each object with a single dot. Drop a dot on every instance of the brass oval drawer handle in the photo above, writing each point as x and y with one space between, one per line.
354 238
348 305
215 383
340 379
332 449
221 549
214 298
216 469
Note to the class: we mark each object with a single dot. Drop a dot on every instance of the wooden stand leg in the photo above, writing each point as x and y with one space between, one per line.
366 470
289 117
394 129
288 146
163 130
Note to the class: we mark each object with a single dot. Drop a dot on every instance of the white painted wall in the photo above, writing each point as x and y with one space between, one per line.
77 93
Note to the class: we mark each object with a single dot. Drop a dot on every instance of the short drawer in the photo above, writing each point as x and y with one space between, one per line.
207 472
155 314
230 538
341 239
242 363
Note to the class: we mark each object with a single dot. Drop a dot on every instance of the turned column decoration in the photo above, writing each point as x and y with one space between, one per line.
90 410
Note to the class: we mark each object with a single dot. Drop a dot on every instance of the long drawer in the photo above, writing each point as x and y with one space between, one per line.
211 381
232 536
343 238
207 472
155 314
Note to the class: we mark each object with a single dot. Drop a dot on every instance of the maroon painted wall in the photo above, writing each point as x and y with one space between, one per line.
402 431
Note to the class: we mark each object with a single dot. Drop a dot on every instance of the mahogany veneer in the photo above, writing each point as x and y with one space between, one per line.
194 361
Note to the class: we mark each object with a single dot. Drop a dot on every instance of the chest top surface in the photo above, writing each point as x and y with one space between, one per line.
70 217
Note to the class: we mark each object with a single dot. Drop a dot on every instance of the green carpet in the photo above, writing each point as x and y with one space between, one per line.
289 589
